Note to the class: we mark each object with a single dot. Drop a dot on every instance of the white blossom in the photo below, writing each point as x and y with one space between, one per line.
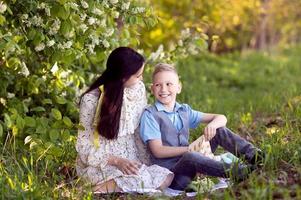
3 101
91 21
10 95
180 43
64 94
3 7
125 6
41 6
72 5
101 23
27 23
83 27
27 100
65 74
37 21
50 43
24 70
96 11
138 10
40 47
156 55
83 16
115 14
109 32
105 4
84 4
24 16
55 27
192 49
105 43
185 33
91 48
54 68
113 1
70 34
47 11
95 39
67 44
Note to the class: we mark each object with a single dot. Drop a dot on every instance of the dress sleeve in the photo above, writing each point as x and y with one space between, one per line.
88 153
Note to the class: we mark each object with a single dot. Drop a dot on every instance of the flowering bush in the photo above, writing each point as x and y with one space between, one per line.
49 49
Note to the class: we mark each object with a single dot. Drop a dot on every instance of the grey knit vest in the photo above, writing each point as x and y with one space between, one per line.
170 136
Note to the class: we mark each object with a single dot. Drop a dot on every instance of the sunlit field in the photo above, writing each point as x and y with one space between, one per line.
258 92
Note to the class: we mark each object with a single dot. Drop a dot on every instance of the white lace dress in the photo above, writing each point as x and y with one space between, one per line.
92 159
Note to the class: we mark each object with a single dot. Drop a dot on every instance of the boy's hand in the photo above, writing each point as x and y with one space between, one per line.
127 166
209 132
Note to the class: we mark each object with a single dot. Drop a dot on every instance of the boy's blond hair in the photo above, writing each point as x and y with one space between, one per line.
162 67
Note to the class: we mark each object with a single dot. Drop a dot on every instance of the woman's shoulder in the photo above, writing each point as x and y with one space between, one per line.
90 96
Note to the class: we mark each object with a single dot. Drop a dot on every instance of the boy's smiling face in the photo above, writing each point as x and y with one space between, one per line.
165 88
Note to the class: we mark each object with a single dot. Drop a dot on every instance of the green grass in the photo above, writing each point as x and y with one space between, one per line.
258 92
260 95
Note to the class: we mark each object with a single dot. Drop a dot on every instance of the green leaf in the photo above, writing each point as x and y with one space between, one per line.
38 109
47 101
56 114
59 11
133 20
40 129
66 27
31 34
55 151
7 120
67 121
13 62
2 20
54 135
65 134
60 100
20 122
30 121
1 131
80 127
39 37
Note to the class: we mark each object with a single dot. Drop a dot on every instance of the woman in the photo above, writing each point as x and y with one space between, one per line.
110 153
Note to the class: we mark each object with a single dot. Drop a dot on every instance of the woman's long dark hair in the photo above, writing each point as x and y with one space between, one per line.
122 63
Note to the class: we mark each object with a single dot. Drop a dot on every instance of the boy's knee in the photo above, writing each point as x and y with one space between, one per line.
221 129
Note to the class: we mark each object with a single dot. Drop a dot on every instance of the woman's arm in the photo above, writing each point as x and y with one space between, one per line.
161 151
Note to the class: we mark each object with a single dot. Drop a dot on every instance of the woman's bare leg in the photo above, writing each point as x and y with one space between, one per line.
166 182
107 187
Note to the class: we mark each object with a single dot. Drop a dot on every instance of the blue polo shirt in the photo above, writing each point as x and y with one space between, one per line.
150 129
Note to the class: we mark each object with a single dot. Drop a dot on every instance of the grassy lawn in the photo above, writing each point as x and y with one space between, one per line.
260 94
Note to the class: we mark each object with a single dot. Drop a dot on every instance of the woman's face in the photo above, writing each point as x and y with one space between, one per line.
135 78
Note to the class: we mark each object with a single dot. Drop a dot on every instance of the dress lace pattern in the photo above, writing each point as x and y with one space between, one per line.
92 161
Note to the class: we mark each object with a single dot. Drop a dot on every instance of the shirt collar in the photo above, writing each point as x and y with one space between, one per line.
160 107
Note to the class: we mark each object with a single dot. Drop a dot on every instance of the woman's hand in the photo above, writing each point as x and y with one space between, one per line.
126 166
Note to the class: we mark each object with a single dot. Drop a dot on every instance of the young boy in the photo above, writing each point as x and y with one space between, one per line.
164 127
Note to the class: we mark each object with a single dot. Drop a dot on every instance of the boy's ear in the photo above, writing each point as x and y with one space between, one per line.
179 88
